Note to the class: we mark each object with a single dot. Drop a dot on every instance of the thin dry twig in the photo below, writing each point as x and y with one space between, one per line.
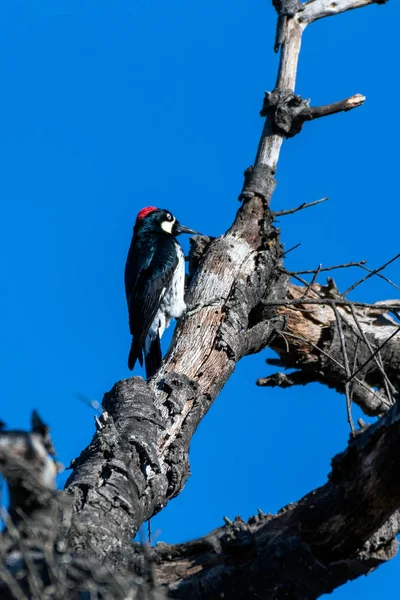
377 358
313 280
376 352
291 211
327 301
374 272
291 249
381 277
346 364
354 366
305 283
336 362
324 269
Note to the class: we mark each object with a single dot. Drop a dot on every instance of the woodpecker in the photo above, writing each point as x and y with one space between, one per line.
154 283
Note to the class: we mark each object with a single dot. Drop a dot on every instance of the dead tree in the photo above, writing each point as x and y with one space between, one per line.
68 544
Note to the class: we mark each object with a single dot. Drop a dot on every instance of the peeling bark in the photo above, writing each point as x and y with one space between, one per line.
311 345
239 301
138 460
336 533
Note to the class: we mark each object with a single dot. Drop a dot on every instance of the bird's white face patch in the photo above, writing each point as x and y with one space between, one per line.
168 225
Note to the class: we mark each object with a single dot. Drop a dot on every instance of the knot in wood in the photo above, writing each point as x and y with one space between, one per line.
286 110
258 181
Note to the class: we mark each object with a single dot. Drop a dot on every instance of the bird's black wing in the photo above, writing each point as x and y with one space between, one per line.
149 270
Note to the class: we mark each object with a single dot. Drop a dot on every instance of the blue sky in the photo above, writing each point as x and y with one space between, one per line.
110 106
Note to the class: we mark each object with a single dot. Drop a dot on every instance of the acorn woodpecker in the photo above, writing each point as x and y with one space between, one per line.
154 283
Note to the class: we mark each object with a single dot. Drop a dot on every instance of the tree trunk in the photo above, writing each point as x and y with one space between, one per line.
66 544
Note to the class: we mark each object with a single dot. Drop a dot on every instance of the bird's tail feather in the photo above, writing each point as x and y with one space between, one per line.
135 353
153 357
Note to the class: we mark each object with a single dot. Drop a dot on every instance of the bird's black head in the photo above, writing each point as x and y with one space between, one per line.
159 220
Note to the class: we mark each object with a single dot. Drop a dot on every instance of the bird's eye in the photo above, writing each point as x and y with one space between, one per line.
169 216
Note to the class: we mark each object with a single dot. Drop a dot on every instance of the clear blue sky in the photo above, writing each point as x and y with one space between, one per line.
110 106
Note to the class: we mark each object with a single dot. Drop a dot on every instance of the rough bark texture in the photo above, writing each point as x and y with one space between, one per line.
311 344
336 533
138 458
239 301
309 547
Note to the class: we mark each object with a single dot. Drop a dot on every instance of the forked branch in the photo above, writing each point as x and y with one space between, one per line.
138 458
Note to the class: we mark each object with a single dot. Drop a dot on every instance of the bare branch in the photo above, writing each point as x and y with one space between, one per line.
313 345
391 336
291 211
324 269
374 272
377 359
316 112
311 546
347 367
318 9
378 307
397 287
313 280
291 249
270 143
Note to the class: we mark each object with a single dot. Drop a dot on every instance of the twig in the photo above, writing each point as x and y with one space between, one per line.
309 286
376 352
304 282
298 337
291 211
327 301
354 365
381 276
374 272
377 359
291 249
285 340
324 269
346 364
316 112
336 362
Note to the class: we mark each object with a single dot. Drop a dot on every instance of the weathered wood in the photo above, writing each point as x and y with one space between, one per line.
310 547
316 112
270 143
138 458
311 344
307 549
318 9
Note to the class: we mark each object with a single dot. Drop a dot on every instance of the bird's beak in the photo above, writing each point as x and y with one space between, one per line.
181 229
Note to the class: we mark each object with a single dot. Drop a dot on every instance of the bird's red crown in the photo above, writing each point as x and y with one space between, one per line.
144 212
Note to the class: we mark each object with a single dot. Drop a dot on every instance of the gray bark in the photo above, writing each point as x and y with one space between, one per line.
311 344
138 458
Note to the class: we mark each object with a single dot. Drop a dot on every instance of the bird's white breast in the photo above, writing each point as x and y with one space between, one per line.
172 305
173 302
